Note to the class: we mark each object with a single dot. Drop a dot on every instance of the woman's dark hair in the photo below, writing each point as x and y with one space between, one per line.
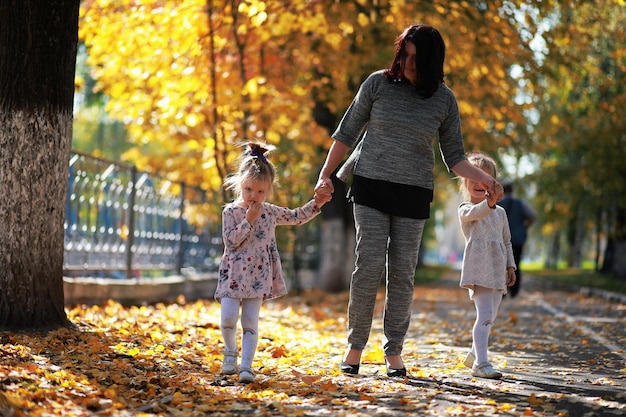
430 55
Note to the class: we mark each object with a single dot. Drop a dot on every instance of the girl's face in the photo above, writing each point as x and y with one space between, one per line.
476 190
408 64
254 191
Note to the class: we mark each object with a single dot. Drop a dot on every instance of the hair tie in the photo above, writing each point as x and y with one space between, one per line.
259 155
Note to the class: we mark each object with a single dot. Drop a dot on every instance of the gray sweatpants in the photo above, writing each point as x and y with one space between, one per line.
384 244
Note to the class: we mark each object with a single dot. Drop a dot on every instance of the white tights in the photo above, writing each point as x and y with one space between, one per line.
487 301
250 308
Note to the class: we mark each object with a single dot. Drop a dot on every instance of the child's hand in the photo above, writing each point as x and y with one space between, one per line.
510 276
253 213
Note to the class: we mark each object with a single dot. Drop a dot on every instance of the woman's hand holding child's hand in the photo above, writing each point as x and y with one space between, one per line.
324 185
322 194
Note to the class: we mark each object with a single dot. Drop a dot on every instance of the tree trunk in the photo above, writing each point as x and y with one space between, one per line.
554 252
38 41
598 249
619 264
615 251
578 234
618 267
337 242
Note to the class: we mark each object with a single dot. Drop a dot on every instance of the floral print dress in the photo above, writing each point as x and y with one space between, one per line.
250 266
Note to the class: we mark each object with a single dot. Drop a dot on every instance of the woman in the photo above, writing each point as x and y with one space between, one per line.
400 110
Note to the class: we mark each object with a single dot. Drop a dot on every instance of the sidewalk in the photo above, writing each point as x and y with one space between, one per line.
561 353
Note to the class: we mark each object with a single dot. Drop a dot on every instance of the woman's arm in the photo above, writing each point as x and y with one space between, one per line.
336 153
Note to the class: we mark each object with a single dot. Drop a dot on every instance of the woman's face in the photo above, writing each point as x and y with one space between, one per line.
408 62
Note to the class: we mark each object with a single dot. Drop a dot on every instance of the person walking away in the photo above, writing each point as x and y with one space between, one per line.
488 265
250 269
521 216
394 119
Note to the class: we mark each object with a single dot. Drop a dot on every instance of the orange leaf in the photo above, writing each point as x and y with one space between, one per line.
365 397
307 379
534 401
279 351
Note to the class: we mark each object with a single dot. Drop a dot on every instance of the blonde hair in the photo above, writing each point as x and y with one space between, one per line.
252 165
482 161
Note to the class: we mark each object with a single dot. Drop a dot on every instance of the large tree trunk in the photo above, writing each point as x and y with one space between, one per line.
38 41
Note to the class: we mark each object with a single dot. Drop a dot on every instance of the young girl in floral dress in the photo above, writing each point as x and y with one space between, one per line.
488 264
250 270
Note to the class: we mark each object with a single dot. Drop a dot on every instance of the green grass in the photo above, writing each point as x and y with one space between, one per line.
577 277
562 276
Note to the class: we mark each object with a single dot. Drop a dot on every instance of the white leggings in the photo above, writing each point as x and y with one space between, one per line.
250 308
486 301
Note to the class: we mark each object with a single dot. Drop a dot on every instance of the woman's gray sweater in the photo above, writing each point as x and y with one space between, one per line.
400 129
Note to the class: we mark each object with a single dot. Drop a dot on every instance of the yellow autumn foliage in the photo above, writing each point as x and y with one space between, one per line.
211 74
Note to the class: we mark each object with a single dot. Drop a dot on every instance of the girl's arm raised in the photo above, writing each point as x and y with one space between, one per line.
297 216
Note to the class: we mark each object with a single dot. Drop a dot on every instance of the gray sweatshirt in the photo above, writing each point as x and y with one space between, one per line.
400 129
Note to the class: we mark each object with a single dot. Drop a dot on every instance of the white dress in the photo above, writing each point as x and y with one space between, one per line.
488 251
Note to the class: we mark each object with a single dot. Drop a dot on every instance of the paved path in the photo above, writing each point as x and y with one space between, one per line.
562 354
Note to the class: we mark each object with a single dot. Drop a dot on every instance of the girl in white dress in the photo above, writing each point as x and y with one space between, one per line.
250 270
488 264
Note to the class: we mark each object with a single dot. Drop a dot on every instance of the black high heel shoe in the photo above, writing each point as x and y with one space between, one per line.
396 372
346 368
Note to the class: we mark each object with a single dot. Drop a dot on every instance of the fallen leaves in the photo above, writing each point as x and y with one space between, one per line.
165 359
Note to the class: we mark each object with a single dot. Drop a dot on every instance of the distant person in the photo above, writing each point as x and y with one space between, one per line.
250 270
521 216
488 264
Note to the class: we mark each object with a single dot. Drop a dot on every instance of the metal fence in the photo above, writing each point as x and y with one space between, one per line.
121 222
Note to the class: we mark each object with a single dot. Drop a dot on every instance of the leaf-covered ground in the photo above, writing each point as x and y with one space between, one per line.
164 360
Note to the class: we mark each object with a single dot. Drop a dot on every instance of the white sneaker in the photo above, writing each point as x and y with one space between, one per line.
246 375
469 360
485 370
229 365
